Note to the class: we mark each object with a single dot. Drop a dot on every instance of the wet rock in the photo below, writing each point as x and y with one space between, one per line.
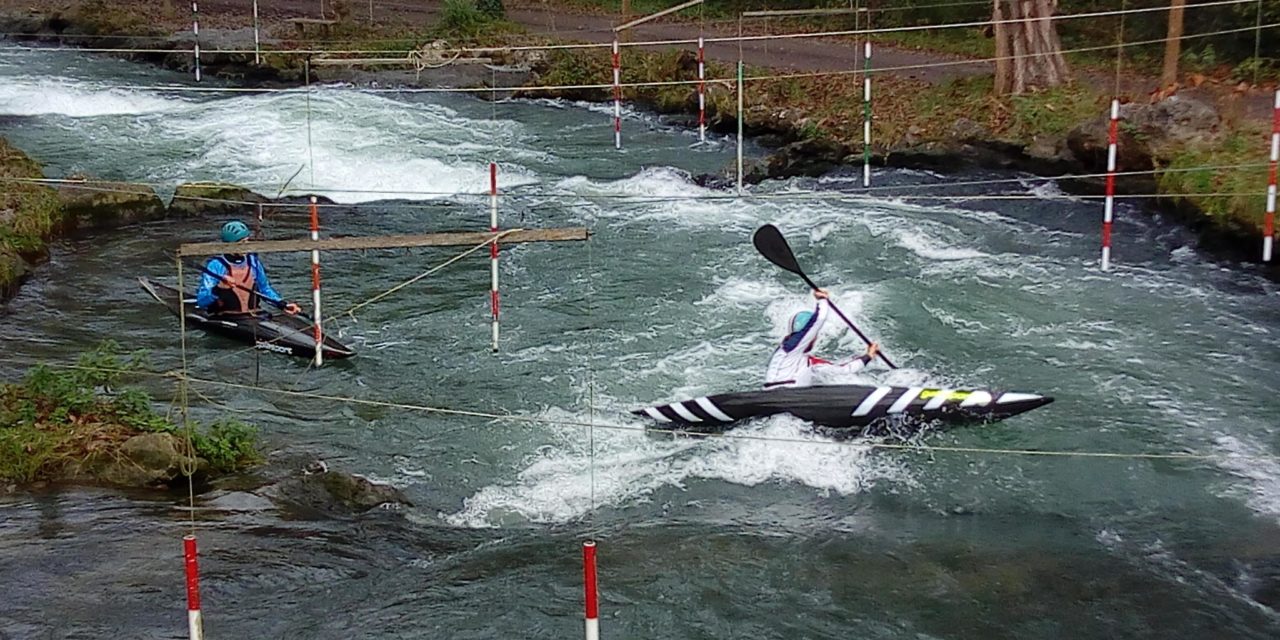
238 501
811 158
146 460
212 199
1147 133
97 205
215 61
14 270
333 493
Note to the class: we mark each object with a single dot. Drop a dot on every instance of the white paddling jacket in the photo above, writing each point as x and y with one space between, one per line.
793 364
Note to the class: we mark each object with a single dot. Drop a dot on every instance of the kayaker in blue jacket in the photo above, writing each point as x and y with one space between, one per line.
793 363
233 282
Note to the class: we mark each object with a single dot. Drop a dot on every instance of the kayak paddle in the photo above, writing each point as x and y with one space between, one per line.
770 243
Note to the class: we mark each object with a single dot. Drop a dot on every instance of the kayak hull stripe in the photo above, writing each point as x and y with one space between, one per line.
870 402
937 401
712 410
905 399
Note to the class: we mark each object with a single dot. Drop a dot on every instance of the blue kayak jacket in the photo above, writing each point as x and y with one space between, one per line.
205 295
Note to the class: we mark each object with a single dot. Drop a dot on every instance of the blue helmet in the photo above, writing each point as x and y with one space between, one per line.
234 231
799 320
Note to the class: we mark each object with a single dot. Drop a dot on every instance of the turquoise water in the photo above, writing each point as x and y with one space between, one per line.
785 533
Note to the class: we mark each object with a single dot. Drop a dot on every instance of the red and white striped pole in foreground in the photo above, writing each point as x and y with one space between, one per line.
1269 222
493 248
617 95
195 625
702 91
315 281
1109 207
589 582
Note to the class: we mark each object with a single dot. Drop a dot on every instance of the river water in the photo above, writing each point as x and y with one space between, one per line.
782 534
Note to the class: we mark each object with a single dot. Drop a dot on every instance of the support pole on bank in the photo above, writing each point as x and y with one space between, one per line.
741 112
1269 222
315 282
493 249
592 612
1108 211
195 31
195 624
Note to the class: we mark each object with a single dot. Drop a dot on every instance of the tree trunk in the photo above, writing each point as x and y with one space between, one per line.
1172 44
1024 31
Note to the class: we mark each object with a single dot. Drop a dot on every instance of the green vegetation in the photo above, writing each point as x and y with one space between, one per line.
1244 201
29 215
472 21
57 420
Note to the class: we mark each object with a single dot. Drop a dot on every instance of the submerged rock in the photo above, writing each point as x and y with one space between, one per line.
333 493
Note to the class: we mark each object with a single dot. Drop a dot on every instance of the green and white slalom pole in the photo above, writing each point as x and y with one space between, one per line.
866 115
741 111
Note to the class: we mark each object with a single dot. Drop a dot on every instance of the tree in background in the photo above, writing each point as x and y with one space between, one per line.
1028 51
1173 44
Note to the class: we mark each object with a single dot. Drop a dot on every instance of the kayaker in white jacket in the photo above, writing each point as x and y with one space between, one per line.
793 364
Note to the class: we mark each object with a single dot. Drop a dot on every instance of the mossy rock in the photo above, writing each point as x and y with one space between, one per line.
213 199
107 205
146 460
13 270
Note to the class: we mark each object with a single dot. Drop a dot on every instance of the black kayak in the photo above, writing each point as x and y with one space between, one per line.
281 333
897 410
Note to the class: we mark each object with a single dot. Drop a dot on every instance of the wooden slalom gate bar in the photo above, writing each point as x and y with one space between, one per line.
444 239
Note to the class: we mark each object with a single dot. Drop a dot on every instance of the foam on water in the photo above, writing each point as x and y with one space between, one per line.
1258 472
78 99
565 480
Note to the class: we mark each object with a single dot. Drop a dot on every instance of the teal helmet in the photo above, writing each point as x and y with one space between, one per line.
234 231
799 320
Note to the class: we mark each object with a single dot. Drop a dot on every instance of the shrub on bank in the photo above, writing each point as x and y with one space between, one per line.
57 423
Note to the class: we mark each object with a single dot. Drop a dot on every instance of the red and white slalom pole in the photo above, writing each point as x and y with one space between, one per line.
1109 208
195 30
617 95
1269 222
702 91
315 281
589 583
493 249
195 624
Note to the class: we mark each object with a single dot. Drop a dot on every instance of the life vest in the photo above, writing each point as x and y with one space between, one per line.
235 289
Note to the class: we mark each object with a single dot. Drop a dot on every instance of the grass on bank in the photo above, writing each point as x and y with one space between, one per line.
29 213
54 419
1243 201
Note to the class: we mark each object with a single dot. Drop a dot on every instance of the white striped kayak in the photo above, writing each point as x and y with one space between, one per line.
846 406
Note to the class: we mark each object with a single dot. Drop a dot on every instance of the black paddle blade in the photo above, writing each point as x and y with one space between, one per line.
770 243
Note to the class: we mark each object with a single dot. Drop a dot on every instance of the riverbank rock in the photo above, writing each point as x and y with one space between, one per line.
1147 133
333 493
147 460
811 158
94 205
212 199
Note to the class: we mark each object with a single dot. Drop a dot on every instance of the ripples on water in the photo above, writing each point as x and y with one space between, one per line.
700 538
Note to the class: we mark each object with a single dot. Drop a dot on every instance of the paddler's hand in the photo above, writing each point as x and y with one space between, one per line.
821 294
873 350
292 308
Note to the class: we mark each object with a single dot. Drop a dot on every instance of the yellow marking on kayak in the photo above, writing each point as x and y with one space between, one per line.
954 395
